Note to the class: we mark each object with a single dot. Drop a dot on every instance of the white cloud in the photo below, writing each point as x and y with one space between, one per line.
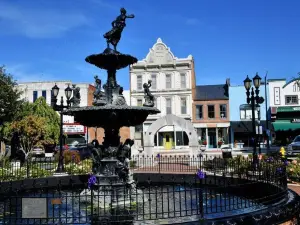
21 73
37 21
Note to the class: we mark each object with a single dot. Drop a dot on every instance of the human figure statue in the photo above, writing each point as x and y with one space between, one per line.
99 95
75 100
149 98
114 35
96 156
120 99
124 155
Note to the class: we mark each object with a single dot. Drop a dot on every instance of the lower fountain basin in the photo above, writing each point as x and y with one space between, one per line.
144 205
111 115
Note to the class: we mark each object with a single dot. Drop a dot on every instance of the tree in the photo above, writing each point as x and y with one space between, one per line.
10 101
31 129
42 110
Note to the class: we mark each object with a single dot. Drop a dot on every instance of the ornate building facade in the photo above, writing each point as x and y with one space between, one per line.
172 82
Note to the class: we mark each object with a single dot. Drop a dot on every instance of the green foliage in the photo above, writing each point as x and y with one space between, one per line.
132 164
10 101
69 156
31 130
38 109
293 170
42 109
83 167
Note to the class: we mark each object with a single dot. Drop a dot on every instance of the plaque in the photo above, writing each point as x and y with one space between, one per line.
56 201
34 208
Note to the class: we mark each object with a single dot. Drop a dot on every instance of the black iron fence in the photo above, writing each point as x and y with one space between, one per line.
171 197
166 188
239 166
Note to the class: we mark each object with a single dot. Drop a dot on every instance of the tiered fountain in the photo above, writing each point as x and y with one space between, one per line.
110 111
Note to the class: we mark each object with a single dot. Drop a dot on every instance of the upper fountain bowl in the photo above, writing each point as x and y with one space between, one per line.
111 115
111 60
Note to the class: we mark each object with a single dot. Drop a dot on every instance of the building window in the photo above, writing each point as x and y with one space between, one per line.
246 112
291 99
168 81
183 80
199 112
153 79
183 106
223 111
139 82
139 102
211 111
44 94
168 106
296 88
35 94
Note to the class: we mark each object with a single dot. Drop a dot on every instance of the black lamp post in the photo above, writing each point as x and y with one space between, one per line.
60 108
254 100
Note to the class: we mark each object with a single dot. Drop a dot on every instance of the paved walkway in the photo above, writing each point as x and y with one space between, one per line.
295 188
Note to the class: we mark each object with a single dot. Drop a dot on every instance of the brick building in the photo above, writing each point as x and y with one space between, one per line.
211 114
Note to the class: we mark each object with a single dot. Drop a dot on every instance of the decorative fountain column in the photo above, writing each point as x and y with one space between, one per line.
110 111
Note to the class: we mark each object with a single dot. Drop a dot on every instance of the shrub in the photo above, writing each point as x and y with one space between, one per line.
132 163
69 156
83 167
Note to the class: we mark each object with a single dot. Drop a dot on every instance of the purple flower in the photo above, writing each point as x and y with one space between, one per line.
286 162
270 159
158 155
92 180
279 169
200 174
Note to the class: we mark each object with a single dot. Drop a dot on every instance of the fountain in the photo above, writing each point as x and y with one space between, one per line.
221 192
110 111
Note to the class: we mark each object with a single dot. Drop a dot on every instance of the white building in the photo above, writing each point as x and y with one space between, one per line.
284 104
33 90
172 82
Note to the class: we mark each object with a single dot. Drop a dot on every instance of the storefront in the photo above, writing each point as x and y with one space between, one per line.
212 135
241 133
286 123
76 133
171 137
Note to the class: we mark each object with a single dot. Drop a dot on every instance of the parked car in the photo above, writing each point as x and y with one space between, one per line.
38 151
294 147
57 148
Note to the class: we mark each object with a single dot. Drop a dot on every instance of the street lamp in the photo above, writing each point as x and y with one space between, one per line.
254 100
60 108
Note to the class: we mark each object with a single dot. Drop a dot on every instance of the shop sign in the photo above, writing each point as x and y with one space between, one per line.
295 120
73 128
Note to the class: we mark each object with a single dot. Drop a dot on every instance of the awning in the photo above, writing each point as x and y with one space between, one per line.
246 126
286 125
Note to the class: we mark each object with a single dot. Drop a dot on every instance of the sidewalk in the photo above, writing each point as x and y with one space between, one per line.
295 188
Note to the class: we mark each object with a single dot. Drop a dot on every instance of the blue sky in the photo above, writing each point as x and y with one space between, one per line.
49 40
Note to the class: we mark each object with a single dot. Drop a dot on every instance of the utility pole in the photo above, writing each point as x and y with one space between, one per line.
267 115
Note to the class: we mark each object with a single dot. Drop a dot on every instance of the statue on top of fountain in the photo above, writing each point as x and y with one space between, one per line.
114 35
99 95
148 96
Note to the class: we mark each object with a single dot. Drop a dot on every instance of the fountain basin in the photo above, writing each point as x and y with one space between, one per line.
111 115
